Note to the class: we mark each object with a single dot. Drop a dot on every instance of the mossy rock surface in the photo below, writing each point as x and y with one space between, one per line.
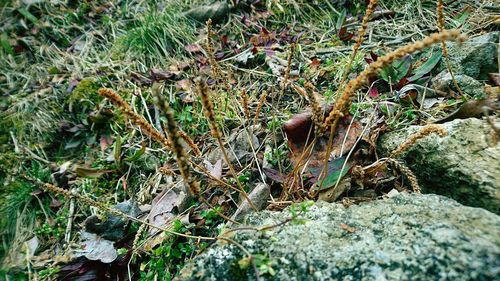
407 237
462 165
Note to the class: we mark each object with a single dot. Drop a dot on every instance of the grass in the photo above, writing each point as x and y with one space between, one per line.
159 35
58 55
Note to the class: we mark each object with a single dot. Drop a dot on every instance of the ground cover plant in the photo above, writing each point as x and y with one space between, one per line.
134 134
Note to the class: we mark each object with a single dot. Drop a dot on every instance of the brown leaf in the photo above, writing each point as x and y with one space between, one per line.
91 173
160 75
184 85
193 48
315 63
300 133
275 175
141 79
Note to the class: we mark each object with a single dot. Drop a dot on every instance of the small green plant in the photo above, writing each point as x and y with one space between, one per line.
48 273
262 262
168 258
300 208
52 230
211 217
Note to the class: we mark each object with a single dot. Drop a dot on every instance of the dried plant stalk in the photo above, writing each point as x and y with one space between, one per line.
180 153
291 51
216 72
343 102
152 132
425 131
407 173
359 40
142 123
262 99
138 120
316 108
91 202
440 21
138 236
202 89
244 100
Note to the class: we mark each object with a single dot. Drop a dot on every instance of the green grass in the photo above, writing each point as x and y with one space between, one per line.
157 35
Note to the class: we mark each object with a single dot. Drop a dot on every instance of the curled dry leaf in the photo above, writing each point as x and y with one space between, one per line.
300 133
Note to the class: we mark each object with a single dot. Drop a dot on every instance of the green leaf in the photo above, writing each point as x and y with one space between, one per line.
137 154
426 67
389 74
5 44
29 16
461 18
334 172
341 19
73 144
402 67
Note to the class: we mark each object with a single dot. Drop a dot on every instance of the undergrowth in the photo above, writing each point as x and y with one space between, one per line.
80 119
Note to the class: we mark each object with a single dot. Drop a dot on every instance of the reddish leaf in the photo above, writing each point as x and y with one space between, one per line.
299 133
193 48
373 92
315 63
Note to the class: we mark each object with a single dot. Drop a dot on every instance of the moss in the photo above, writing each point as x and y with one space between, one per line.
86 92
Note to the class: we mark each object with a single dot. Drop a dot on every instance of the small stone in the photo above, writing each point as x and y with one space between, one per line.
258 196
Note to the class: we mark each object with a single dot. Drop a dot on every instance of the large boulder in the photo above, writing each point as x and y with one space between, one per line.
463 165
407 237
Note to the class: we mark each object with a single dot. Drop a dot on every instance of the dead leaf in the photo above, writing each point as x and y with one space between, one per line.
315 63
96 248
275 175
193 48
160 75
91 173
300 134
184 85
140 79
215 169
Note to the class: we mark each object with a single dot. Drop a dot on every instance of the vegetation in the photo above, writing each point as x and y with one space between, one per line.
123 102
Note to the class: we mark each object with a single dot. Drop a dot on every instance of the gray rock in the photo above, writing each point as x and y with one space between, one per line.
215 11
462 165
476 57
443 82
239 148
407 237
258 196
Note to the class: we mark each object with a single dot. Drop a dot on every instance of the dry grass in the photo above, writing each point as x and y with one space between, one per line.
38 101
